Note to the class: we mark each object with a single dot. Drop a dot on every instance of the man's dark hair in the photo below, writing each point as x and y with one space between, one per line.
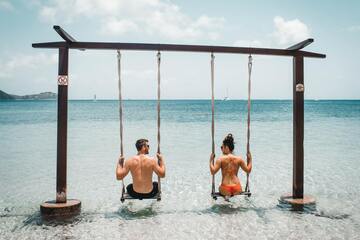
140 143
229 141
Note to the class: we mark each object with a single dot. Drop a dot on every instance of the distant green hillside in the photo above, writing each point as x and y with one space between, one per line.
40 96
5 96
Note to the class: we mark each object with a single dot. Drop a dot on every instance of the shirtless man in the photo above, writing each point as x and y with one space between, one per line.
141 168
229 164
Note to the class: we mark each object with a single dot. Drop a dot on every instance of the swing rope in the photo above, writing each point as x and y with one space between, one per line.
120 116
158 114
247 187
212 119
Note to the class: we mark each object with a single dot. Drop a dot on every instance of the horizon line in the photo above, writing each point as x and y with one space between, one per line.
202 99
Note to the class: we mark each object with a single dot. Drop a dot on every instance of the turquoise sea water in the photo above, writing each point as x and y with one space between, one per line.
28 170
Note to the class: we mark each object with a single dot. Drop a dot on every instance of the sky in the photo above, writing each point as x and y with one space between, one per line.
334 25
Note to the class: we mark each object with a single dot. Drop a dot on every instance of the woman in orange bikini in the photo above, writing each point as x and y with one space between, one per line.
229 164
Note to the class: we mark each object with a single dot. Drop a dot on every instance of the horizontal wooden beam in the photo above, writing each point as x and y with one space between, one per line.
176 47
301 45
50 45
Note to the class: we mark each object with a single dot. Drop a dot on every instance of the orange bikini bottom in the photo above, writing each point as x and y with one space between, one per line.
232 189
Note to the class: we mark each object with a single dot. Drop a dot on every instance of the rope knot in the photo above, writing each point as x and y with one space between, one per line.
250 60
158 56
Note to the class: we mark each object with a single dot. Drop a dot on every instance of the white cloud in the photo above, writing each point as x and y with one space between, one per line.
355 28
291 31
118 27
48 13
247 43
6 5
153 17
21 62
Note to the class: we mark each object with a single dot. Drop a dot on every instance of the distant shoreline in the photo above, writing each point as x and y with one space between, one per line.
40 96
53 96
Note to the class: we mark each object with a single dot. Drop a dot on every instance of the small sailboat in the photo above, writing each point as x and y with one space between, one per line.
94 98
226 98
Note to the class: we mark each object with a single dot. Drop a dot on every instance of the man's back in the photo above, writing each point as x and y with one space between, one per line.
141 169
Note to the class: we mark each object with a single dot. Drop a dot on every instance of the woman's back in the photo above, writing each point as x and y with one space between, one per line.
229 169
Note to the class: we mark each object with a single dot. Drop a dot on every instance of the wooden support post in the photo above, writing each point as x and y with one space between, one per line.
297 198
61 206
298 127
62 126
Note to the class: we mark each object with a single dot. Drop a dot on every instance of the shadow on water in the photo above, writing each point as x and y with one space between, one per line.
128 212
301 209
311 209
131 212
67 220
229 207
248 205
232 208
335 216
225 209
36 219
